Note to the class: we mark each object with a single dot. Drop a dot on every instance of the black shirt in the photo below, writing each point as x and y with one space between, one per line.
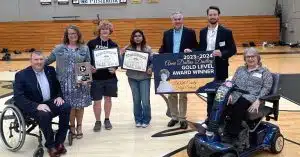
101 74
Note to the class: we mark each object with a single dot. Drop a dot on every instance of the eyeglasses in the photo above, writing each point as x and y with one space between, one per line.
177 19
72 33
251 57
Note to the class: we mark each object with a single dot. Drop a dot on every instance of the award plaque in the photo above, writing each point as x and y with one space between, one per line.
83 72
135 60
106 58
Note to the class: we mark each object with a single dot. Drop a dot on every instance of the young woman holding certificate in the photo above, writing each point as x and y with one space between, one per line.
140 81
104 80
67 55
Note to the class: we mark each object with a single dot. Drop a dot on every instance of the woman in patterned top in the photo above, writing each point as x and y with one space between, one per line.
255 79
66 55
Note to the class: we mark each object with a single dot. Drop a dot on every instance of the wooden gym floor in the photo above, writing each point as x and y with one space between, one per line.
127 141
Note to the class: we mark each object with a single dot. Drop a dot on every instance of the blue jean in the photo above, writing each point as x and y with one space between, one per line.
141 100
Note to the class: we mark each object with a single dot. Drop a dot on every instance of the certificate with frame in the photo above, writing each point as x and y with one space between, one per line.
106 58
135 60
83 72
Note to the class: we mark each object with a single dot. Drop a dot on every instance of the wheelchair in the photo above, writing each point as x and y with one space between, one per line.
257 136
14 126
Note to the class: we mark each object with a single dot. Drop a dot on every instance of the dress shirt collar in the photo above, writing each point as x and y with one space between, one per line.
178 30
214 29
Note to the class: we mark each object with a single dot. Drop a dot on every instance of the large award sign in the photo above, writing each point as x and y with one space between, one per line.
106 58
135 60
83 72
183 72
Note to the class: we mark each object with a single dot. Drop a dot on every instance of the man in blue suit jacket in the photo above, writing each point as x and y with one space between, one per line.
38 95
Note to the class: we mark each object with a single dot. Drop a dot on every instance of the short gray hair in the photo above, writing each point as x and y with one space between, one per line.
39 53
254 51
176 13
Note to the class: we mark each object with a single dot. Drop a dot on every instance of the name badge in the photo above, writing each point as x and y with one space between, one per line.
257 75
221 44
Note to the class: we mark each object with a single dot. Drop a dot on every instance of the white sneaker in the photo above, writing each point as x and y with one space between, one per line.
145 125
138 125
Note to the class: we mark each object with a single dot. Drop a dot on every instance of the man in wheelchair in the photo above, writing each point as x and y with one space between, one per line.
257 81
37 94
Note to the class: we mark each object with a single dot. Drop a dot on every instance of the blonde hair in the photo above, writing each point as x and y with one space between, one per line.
105 24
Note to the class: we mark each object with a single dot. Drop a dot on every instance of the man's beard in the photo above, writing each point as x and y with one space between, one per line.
213 21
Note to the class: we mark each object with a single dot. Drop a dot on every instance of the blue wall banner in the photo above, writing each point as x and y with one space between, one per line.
183 72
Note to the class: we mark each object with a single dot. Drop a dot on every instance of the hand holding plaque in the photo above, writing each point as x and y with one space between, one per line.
83 73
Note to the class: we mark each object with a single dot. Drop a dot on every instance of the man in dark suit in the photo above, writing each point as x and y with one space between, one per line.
220 40
175 40
37 94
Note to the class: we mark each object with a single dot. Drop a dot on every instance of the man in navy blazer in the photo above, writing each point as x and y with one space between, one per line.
220 40
176 40
37 94
188 37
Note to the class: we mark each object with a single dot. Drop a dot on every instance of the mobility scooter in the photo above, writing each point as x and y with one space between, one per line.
257 135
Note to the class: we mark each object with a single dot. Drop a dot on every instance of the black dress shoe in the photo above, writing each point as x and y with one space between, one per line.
172 123
53 152
61 149
183 125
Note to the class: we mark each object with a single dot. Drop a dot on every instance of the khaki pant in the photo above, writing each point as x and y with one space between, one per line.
178 107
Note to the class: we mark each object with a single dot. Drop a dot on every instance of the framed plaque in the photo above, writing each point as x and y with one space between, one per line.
45 2
75 1
135 60
63 2
106 58
83 72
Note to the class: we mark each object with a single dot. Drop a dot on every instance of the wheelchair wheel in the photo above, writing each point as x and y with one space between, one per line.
191 148
12 128
277 143
39 152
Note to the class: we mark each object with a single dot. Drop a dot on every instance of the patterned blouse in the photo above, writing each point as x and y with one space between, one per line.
66 59
257 82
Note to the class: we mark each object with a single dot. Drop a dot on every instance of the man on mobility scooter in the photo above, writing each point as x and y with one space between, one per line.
235 125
